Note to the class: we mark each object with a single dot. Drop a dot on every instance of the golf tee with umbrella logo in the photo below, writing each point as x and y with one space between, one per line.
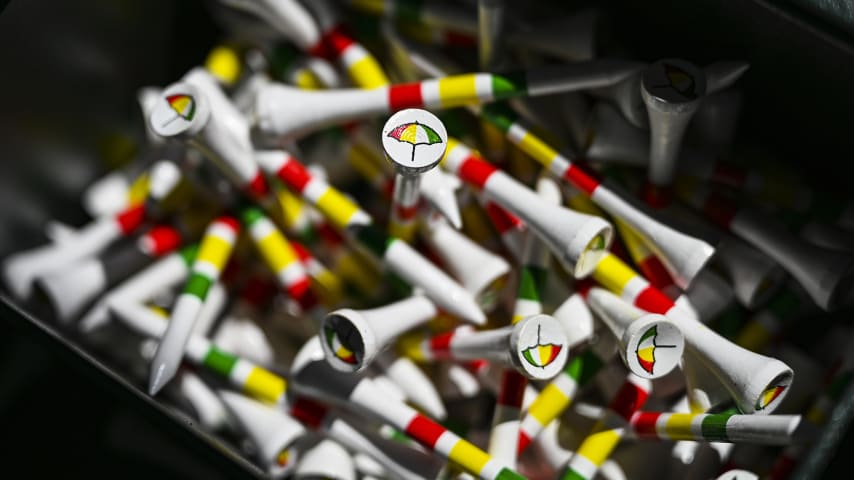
414 142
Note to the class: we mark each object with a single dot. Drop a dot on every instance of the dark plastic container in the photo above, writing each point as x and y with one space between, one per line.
70 73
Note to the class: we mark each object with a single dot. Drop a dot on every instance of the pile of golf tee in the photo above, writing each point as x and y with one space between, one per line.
345 257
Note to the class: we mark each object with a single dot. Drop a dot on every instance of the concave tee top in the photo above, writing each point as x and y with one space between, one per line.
674 81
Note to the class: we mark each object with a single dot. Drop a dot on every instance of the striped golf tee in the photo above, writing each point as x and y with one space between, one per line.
511 230
213 254
582 177
398 257
255 381
214 251
280 256
328 286
716 427
404 209
606 434
362 67
504 436
649 265
557 396
318 378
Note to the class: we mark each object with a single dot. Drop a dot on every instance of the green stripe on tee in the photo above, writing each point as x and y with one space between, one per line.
198 285
219 361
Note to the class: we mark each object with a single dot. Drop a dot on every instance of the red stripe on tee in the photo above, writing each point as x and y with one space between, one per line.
160 239
441 344
629 400
131 218
295 175
257 188
425 431
644 422
582 178
407 95
653 300
475 171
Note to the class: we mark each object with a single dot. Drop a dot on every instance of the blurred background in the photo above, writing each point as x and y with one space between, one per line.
71 71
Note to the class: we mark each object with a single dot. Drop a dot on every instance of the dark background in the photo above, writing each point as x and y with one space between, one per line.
70 70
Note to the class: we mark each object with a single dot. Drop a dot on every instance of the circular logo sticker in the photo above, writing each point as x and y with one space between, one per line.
540 346
674 81
654 346
414 140
179 109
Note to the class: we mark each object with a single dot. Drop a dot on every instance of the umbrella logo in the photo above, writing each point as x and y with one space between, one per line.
541 355
769 395
645 350
678 80
415 134
184 106
282 458
598 243
337 347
